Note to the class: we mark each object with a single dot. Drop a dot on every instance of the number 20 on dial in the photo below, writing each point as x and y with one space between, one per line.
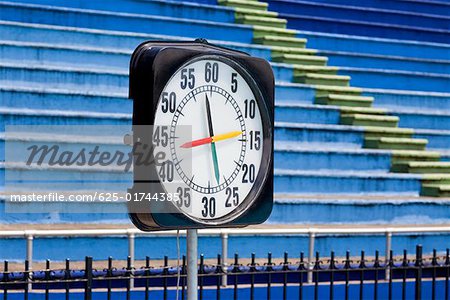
214 169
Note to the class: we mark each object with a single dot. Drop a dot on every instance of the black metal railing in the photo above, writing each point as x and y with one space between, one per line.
401 277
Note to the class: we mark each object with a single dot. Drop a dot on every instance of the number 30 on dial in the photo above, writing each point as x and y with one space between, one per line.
210 122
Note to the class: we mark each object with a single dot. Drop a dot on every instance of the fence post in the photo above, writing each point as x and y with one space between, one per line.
88 274
131 251
312 237
224 237
388 251
419 272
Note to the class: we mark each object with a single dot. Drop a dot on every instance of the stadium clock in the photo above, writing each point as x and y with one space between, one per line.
211 116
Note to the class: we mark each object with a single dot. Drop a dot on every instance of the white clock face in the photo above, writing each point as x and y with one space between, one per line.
209 125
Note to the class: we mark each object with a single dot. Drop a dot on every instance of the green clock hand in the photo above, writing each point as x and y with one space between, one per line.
213 145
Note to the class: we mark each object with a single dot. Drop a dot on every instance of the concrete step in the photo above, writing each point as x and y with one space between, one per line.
55 55
300 70
409 99
315 156
436 190
387 62
427 119
16 116
244 4
378 78
275 40
261 31
262 21
395 79
306 113
44 178
424 7
51 15
300 59
369 120
327 182
280 51
322 114
74 38
372 45
360 13
325 90
440 167
240 12
61 99
395 143
324 209
437 139
392 132
75 78
371 208
342 26
362 110
405 156
345 100
436 179
322 79
170 8
347 136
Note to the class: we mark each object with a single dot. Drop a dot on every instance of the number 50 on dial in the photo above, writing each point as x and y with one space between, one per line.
212 114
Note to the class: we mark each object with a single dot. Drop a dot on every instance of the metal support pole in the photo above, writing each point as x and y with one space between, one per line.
192 271
30 258
388 250
224 236
312 237
30 250
131 239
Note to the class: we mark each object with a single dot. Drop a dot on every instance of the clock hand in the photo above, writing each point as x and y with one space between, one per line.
213 145
215 139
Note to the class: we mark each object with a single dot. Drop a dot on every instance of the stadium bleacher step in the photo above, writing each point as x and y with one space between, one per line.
300 59
279 51
302 70
436 179
344 100
395 143
394 132
244 4
402 156
282 41
362 110
325 181
435 190
441 167
239 12
326 90
313 78
261 31
369 120
260 20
